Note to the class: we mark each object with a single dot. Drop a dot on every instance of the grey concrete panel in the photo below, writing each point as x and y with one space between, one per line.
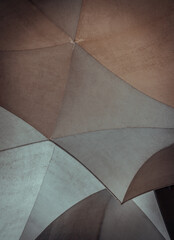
15 132
95 99
115 156
148 204
101 217
22 26
21 174
64 14
65 183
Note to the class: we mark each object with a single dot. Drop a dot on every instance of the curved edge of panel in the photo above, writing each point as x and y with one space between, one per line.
100 216
157 172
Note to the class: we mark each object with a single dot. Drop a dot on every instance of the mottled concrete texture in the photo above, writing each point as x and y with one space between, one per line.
66 183
134 39
101 217
21 174
15 132
115 156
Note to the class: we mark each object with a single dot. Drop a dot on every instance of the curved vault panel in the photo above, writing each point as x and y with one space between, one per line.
133 39
95 99
157 171
23 27
15 132
65 14
115 156
148 204
65 183
101 217
62 90
22 171
33 84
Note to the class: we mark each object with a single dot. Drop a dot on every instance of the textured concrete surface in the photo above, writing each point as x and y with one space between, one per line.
95 99
65 14
148 204
15 132
133 39
115 156
101 216
66 183
21 174
22 27
33 84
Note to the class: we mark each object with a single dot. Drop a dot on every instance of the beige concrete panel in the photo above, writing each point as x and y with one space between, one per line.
33 83
66 183
115 156
95 99
101 217
133 39
21 174
156 172
148 204
15 132
22 26
64 14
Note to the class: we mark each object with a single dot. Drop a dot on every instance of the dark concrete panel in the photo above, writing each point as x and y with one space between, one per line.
165 198
33 83
22 26
133 39
64 14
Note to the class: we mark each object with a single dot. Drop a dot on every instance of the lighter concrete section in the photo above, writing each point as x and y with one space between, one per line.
66 183
21 174
15 132
64 14
115 156
95 99
148 204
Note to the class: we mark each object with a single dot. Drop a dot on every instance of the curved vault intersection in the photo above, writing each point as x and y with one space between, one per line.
86 118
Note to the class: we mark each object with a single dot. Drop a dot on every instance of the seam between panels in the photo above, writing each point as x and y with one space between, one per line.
121 79
102 220
38 8
78 21
110 129
38 191
63 97
23 145
86 169
35 49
